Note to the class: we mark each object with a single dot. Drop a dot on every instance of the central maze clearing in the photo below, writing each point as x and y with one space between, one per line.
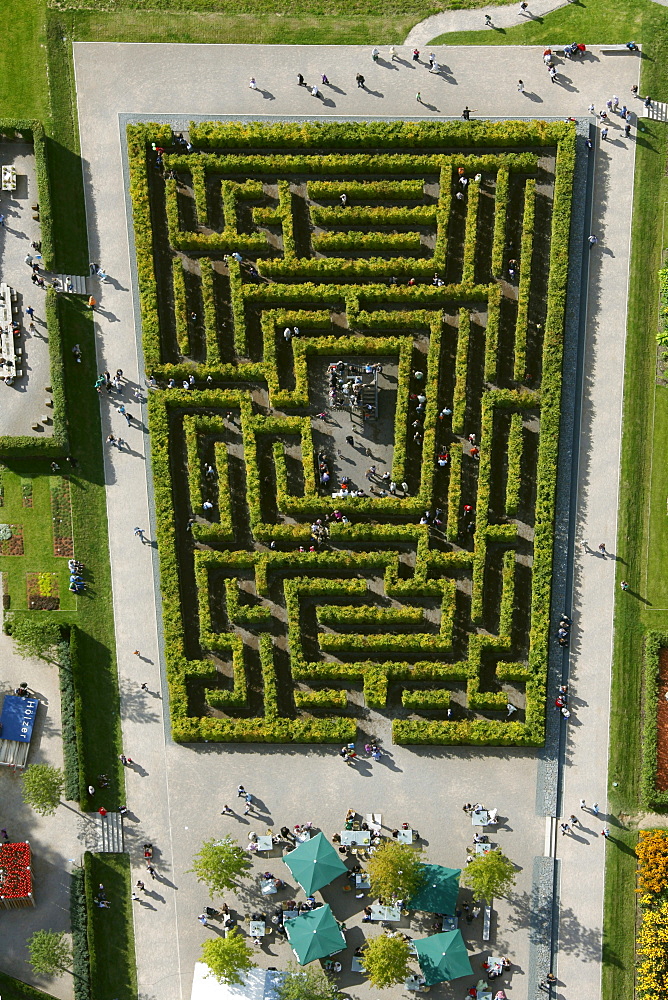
437 284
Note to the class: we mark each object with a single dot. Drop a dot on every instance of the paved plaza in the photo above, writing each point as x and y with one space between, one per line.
22 404
177 798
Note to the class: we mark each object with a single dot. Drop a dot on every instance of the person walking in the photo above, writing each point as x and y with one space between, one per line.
393 53
520 86
583 804
594 808
241 791
252 84
523 6
418 97
301 82
375 53
144 687
564 829
624 585
604 133
360 81
416 55
150 869
605 832
627 130
573 820
140 885
343 198
602 549
139 532
30 312
592 241
92 302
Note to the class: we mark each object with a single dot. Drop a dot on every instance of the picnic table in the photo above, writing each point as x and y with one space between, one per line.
357 966
380 912
404 837
355 838
301 838
264 843
494 965
6 309
480 818
258 928
450 923
482 848
8 178
268 886
362 881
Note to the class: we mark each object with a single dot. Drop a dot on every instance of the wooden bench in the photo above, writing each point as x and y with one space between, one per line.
487 923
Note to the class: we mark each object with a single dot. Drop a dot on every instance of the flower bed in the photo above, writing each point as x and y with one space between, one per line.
16 886
11 539
61 514
43 591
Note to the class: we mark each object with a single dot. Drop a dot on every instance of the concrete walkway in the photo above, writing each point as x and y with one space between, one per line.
475 20
176 794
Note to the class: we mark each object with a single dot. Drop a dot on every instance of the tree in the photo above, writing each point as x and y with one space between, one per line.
310 983
33 637
50 953
489 875
228 957
218 864
43 787
385 960
395 870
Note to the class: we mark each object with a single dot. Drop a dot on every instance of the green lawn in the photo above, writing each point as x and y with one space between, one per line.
110 931
23 86
592 22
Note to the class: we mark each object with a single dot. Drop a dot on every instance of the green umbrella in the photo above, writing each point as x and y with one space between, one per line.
314 934
439 891
443 956
315 863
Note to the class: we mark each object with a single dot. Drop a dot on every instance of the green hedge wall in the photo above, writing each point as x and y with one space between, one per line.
652 798
296 282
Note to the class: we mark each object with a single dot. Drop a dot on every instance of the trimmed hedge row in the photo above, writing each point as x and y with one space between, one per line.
388 135
354 240
68 721
79 926
514 477
652 798
376 215
526 262
502 197
471 234
180 307
365 191
461 372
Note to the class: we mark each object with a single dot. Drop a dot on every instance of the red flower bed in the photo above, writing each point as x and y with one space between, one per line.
15 873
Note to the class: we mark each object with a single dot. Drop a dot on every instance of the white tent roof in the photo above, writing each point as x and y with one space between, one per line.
258 985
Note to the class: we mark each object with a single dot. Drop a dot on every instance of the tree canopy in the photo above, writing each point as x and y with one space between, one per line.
386 961
309 983
489 875
228 957
49 952
33 637
42 788
395 870
219 863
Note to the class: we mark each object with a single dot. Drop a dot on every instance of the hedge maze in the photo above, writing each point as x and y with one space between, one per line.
437 621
